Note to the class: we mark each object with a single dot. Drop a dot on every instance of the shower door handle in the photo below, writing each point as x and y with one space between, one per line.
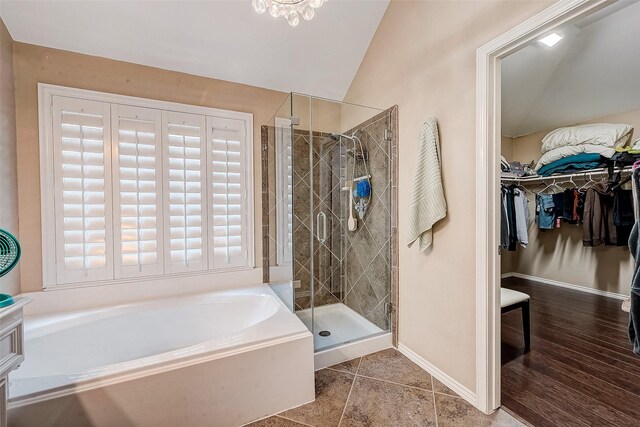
321 238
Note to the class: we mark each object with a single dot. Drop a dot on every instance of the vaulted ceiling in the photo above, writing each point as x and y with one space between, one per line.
223 39
592 72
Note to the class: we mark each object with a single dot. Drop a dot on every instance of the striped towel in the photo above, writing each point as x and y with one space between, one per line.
427 205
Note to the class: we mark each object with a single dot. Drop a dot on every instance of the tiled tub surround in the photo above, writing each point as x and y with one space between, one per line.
384 389
356 268
234 356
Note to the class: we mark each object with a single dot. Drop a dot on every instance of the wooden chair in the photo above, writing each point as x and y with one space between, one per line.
513 300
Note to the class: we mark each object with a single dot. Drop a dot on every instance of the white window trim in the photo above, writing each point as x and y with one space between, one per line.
46 92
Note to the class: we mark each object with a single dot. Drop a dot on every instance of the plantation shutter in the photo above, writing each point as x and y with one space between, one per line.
137 190
227 188
284 190
185 186
82 182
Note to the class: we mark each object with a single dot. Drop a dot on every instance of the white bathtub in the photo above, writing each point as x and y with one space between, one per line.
216 359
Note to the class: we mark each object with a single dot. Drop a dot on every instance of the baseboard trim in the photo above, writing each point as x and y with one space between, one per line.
445 379
566 285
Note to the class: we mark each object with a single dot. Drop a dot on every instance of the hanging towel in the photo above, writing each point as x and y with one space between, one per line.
427 205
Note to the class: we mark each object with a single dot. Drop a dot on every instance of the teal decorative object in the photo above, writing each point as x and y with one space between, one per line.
9 257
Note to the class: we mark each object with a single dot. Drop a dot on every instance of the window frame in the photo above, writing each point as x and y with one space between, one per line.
46 94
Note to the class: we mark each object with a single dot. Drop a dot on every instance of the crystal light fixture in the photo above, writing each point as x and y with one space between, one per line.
292 10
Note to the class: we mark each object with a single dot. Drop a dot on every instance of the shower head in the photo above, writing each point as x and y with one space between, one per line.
337 136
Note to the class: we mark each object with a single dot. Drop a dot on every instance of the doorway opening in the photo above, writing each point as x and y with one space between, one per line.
528 87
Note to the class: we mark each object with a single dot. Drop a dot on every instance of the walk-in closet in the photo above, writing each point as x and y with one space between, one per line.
569 202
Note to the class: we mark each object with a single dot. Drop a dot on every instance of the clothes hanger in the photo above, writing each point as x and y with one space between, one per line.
553 184
536 186
519 186
589 179
622 182
587 183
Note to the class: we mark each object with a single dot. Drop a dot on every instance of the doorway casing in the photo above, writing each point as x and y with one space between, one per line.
488 133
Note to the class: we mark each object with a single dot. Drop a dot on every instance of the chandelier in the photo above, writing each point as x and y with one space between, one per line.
290 9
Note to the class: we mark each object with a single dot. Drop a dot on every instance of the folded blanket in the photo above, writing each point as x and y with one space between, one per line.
573 163
559 153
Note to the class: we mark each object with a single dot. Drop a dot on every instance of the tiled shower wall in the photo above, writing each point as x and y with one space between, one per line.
367 255
367 277
325 264
325 181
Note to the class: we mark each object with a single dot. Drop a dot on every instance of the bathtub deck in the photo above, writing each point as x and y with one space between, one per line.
235 356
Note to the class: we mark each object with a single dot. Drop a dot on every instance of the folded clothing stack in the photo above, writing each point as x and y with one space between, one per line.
575 163
561 147
513 169
626 156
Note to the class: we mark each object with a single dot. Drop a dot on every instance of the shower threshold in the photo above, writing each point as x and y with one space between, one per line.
351 335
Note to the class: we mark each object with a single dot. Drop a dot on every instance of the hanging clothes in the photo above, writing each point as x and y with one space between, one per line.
545 211
504 218
522 215
511 212
594 220
582 195
634 247
508 233
608 216
569 213
515 218
623 215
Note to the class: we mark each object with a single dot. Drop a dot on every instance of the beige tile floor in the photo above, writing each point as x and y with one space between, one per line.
384 389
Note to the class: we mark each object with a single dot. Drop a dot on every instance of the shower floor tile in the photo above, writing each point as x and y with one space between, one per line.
343 323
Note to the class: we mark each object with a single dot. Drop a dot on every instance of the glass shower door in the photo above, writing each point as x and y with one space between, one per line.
326 158
340 275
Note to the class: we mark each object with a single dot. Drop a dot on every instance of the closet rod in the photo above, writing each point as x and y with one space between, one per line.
586 174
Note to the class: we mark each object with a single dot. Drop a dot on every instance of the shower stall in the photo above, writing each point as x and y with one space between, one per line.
329 216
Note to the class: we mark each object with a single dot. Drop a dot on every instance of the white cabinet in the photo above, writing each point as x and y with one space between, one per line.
4 396
11 349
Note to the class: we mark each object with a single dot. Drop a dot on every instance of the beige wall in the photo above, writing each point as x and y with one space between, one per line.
422 58
8 169
506 148
559 254
34 64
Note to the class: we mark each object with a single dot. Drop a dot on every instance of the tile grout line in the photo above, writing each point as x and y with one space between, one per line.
338 370
353 383
289 419
433 395
394 383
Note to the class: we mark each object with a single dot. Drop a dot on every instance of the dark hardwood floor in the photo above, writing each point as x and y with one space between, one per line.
580 370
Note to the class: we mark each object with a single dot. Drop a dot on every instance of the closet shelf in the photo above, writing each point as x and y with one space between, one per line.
591 173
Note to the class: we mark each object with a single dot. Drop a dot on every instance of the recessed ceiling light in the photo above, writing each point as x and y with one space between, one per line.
551 39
